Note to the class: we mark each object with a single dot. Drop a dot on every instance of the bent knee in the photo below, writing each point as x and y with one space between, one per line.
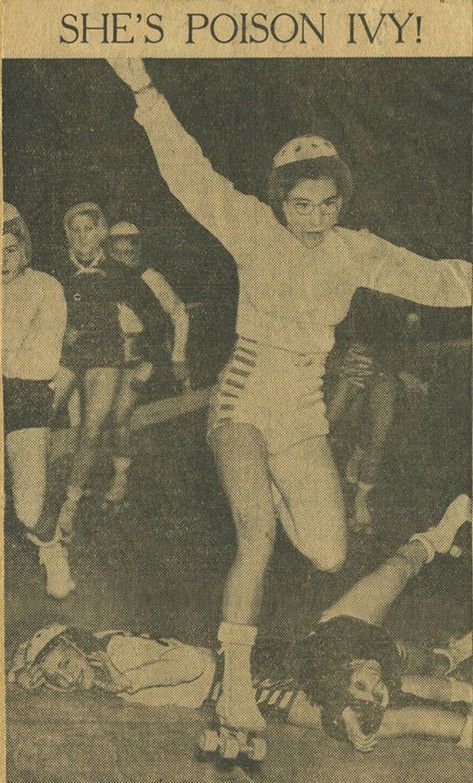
332 565
331 560
92 429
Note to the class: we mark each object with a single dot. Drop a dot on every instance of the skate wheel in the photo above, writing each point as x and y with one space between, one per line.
455 551
257 749
230 748
208 741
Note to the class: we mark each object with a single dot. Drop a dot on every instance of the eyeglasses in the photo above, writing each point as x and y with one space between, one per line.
304 206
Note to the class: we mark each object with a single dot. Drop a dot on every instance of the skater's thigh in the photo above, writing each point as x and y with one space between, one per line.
100 387
127 394
27 459
308 480
241 456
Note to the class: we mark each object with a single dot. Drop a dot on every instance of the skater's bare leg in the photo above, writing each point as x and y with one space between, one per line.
100 385
27 460
26 452
373 595
382 402
241 457
310 502
124 406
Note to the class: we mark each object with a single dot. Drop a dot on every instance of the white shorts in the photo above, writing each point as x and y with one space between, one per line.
276 391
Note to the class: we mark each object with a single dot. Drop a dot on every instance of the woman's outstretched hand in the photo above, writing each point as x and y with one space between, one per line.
363 742
131 70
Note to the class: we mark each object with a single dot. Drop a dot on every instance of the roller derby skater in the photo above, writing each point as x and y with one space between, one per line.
125 250
34 321
348 675
99 297
298 270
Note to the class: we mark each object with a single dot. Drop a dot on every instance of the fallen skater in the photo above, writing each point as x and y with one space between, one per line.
348 675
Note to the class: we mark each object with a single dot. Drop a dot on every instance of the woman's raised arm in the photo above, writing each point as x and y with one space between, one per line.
232 217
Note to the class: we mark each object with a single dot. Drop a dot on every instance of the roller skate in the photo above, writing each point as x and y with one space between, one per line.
440 539
231 743
53 556
238 727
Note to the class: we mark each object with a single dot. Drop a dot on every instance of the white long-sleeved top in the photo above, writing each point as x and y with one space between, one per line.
34 315
173 307
291 297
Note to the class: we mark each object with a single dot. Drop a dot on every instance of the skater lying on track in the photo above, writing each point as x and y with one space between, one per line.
349 665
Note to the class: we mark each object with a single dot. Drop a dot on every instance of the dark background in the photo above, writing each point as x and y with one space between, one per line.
69 134
404 126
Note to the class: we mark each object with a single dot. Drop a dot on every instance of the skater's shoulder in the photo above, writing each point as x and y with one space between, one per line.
37 279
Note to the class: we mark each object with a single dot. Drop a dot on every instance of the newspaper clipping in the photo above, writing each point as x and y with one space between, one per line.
236 362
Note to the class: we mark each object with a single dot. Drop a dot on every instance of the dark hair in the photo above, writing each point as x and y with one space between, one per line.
284 178
321 665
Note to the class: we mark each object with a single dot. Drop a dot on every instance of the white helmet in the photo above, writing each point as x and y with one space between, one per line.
124 230
304 148
28 652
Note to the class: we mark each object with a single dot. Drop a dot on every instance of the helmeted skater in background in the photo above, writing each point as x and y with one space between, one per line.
100 299
298 271
348 674
124 247
34 321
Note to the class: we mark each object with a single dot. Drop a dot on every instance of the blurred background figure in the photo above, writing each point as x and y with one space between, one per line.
34 321
374 377
141 347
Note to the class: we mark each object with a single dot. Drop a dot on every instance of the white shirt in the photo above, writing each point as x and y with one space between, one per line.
291 297
34 315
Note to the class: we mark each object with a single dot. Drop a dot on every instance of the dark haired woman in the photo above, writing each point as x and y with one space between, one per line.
349 665
298 271
34 321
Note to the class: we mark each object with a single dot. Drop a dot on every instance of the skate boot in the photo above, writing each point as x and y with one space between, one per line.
440 539
239 726
457 651
53 556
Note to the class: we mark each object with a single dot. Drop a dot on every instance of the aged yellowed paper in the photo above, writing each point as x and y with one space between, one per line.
236 370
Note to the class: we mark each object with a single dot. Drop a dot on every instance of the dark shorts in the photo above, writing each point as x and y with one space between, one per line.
26 404
93 351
